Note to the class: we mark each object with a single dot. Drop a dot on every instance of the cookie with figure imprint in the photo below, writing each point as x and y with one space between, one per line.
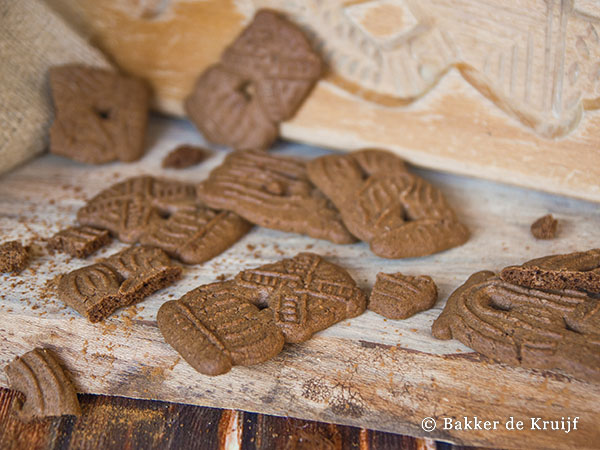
273 191
127 277
398 213
166 214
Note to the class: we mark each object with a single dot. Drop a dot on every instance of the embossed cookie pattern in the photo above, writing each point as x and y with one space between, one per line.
166 214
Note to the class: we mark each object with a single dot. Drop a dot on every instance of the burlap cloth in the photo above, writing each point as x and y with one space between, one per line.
32 39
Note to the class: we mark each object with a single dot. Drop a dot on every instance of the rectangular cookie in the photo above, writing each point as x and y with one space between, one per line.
79 242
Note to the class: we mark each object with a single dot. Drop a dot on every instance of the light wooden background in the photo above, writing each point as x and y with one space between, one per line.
507 91
367 371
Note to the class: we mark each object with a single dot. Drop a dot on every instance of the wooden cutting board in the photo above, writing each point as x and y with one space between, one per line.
368 371
507 91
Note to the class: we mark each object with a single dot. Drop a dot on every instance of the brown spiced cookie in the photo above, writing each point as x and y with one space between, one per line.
525 327
213 329
545 227
100 116
122 279
262 79
13 257
278 61
47 389
166 214
79 242
398 213
579 271
398 296
227 112
273 192
246 320
305 294
185 156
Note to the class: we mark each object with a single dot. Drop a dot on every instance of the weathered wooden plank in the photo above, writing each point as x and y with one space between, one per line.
368 372
117 422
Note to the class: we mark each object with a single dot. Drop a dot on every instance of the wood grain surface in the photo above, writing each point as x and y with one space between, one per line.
507 91
116 423
368 371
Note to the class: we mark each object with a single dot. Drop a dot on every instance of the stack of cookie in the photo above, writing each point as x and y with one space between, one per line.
369 195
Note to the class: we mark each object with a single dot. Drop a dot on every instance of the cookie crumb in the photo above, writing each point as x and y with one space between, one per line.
544 227
185 156
14 257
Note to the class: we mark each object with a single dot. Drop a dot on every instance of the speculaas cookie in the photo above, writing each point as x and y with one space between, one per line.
47 389
220 324
100 115
213 329
545 227
398 213
305 293
166 214
398 296
79 242
278 59
122 279
579 271
520 326
14 257
273 192
227 113
185 156
262 79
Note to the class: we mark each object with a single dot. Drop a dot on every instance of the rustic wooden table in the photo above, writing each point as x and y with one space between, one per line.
367 372
118 423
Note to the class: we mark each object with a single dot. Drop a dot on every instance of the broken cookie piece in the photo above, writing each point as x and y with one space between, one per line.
47 389
79 242
185 156
578 271
14 257
544 227
122 279
398 296
100 115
